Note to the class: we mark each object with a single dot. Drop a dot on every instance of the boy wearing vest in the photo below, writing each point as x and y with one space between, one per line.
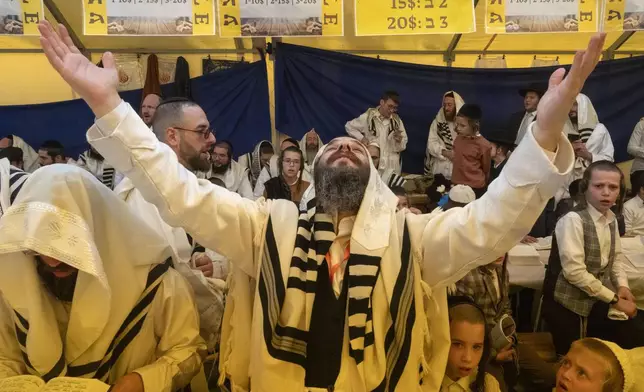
585 265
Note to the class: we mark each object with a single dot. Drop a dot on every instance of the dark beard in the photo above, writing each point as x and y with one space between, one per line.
61 288
340 189
193 158
222 169
449 116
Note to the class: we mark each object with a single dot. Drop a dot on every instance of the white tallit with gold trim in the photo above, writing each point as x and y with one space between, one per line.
66 214
262 240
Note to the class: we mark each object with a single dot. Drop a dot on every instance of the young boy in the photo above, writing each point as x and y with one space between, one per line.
469 351
472 153
584 261
488 286
634 209
403 200
500 153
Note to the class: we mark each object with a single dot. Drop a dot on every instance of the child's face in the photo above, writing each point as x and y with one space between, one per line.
603 189
466 350
402 202
581 371
463 126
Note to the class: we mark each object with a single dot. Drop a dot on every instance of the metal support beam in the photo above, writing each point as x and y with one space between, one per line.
609 54
448 56
53 8
259 46
170 51
239 46
489 44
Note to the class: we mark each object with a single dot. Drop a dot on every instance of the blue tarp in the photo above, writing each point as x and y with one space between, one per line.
323 90
235 100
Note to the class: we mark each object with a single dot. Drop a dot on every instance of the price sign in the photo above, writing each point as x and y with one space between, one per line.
279 18
20 17
624 15
541 16
402 17
149 17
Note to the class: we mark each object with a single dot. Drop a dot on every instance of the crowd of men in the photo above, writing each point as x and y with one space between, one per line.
305 268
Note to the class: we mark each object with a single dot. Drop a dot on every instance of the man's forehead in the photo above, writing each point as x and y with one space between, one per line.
152 99
195 116
345 139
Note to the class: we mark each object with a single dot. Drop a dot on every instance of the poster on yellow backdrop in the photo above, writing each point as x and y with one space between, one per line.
541 16
20 17
149 17
280 18
623 15
407 17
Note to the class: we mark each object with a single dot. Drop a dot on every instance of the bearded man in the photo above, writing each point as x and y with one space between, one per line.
224 167
442 132
310 145
345 295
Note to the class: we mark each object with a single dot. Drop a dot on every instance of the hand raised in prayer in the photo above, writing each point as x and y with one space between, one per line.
97 86
556 103
129 383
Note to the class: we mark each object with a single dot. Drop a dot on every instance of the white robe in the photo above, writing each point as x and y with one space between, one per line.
235 178
84 220
435 162
390 149
29 155
309 168
465 238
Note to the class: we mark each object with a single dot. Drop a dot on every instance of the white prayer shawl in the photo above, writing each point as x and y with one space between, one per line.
305 153
441 137
235 178
100 169
597 139
65 213
360 128
11 181
252 162
442 249
29 155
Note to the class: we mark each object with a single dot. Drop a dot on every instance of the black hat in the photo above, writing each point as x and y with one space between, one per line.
535 88
471 111
502 140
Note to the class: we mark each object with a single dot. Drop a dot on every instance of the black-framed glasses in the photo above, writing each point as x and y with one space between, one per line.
205 133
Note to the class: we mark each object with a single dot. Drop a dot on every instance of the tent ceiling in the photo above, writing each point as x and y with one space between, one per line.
472 43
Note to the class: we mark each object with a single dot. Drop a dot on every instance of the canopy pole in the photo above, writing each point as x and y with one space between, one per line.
53 8
609 54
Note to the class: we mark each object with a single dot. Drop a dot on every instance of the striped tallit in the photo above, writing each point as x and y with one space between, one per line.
11 181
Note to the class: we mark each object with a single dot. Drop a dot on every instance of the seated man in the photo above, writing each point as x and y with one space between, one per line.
50 152
75 277
256 160
224 167
272 169
94 163
14 155
586 259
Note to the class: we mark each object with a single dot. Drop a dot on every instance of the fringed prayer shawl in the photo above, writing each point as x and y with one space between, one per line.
395 123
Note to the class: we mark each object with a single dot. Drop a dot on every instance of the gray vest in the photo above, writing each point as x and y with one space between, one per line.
568 295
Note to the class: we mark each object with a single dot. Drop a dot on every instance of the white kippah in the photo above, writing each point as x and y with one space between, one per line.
462 194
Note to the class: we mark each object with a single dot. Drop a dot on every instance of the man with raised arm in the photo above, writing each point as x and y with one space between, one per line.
348 296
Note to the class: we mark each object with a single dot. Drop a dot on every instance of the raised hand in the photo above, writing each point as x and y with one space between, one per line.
97 86
562 91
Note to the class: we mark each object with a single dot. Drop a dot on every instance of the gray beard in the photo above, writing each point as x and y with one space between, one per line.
340 189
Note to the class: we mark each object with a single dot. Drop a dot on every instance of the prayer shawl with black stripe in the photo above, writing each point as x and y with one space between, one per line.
99 168
11 181
441 137
65 213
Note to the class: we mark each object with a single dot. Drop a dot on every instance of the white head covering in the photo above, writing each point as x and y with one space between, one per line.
462 194
29 155
586 115
67 214
303 144
458 100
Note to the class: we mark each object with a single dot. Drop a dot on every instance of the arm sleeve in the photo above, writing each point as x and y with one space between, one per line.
245 190
635 142
260 186
357 127
601 148
11 363
629 216
402 144
570 238
211 214
618 275
485 229
180 349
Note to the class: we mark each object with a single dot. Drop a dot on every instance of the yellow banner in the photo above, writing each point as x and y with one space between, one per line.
623 15
404 17
280 18
541 16
20 17
149 17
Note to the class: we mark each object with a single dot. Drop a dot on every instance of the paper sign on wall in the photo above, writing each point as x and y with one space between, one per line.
20 17
541 16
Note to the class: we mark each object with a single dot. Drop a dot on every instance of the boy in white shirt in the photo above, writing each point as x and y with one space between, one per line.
634 209
585 263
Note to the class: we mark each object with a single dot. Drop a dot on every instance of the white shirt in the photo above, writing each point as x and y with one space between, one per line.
528 118
570 239
634 216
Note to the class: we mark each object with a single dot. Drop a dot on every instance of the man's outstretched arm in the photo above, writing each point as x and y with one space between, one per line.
211 214
461 239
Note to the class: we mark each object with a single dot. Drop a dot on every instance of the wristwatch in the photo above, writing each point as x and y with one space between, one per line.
614 300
